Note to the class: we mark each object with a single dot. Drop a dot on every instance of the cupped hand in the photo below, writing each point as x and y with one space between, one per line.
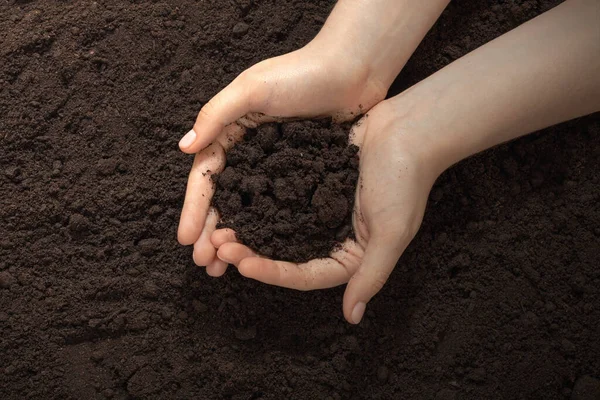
310 82
394 184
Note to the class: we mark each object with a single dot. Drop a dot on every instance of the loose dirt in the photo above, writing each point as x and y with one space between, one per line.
498 296
288 189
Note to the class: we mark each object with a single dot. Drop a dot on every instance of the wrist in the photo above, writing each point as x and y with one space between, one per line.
378 35
401 125
349 80
417 126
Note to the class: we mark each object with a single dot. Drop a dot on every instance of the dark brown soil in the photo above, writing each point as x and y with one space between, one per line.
498 296
288 189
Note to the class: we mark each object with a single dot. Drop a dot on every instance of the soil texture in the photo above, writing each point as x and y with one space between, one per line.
497 297
287 190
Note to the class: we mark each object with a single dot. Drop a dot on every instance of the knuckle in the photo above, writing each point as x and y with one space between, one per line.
207 111
400 234
257 89
305 284
374 281
201 259
196 260
379 280
246 76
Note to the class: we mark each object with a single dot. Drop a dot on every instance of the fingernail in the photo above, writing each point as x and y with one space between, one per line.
358 312
188 139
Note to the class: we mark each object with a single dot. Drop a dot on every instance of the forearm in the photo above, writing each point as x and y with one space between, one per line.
382 34
542 73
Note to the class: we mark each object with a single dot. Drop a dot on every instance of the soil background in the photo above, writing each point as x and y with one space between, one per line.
498 296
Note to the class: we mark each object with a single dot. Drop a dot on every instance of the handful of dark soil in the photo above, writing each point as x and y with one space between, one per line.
288 189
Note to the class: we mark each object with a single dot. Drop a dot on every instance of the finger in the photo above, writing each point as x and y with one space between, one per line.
230 135
358 131
349 255
204 251
221 236
233 253
199 193
315 274
216 268
230 104
253 119
380 258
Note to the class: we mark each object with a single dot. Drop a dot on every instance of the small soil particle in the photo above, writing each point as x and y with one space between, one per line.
151 290
383 374
149 246
107 167
240 29
79 225
199 307
245 333
6 279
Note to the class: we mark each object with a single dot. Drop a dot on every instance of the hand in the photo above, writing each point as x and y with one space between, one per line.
306 83
391 196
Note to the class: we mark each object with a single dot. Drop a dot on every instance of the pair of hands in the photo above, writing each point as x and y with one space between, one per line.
496 93
389 204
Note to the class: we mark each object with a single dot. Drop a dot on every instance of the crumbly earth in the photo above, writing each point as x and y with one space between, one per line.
288 189
498 296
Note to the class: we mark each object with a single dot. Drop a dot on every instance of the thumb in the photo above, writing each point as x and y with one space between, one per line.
381 255
230 104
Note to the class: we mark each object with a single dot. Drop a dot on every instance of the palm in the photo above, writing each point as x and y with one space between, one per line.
301 85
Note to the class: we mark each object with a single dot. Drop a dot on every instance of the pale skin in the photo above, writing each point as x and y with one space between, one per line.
542 73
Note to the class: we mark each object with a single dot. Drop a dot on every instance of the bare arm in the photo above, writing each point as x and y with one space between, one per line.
381 34
542 73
